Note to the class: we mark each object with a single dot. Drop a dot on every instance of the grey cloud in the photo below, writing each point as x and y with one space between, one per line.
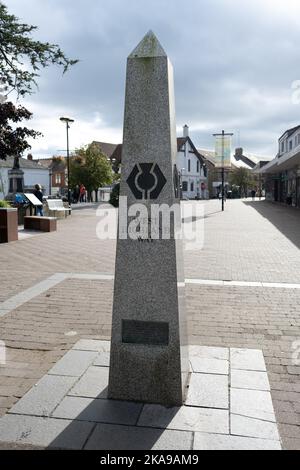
220 49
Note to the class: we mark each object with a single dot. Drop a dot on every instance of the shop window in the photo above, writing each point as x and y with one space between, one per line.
58 179
184 186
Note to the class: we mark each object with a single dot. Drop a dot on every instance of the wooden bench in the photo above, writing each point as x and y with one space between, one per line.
44 224
57 205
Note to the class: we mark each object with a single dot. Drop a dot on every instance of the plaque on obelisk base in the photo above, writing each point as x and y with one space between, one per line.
149 358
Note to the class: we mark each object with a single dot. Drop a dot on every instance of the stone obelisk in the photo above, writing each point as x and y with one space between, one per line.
149 360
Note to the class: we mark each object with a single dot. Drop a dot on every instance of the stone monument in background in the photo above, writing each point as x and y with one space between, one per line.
149 350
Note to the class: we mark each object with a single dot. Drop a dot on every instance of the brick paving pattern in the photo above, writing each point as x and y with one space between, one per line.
249 242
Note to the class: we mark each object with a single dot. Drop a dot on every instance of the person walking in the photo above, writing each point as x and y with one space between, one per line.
39 195
76 194
82 193
253 194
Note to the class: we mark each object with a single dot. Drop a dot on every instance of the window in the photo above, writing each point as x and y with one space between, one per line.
58 178
184 186
192 187
189 165
198 166
282 147
290 145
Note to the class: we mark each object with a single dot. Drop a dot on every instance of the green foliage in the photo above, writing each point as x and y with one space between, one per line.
21 59
4 204
243 178
17 48
13 140
91 168
114 196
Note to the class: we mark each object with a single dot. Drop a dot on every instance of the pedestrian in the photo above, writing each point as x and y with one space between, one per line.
39 195
82 193
76 194
253 194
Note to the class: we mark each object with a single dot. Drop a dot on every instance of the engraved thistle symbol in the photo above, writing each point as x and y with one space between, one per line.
146 181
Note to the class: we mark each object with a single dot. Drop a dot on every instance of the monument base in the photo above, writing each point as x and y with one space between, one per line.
69 409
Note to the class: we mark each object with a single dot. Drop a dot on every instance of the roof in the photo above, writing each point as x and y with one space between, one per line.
182 140
289 132
249 160
117 154
24 164
105 147
208 155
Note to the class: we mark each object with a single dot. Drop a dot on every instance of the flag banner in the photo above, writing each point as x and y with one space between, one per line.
223 151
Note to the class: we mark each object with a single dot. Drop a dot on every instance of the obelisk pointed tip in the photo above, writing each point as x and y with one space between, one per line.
148 47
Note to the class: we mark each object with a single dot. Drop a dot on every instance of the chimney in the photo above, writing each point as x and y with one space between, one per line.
29 157
185 131
238 153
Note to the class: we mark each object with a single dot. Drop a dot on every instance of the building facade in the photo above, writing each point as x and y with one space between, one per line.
282 175
34 173
192 168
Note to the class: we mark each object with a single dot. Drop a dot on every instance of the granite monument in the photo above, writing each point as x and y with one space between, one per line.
149 359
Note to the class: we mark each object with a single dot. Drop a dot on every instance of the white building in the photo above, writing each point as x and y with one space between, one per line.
192 168
34 173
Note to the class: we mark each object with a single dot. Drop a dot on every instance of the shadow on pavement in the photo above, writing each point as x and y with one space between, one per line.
108 433
284 218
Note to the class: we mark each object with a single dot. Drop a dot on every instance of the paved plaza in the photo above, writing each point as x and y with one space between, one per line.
243 291
228 406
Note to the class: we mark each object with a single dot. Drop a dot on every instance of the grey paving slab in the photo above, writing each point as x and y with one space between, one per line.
209 366
44 396
208 352
252 403
185 419
102 359
44 432
205 441
250 427
101 411
92 345
74 363
113 437
247 359
93 383
251 380
208 390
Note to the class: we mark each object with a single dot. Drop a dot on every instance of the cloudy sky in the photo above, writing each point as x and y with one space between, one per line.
235 63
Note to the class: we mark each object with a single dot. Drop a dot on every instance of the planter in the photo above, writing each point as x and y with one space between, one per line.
8 225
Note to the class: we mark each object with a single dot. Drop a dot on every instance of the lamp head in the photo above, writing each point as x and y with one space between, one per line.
65 119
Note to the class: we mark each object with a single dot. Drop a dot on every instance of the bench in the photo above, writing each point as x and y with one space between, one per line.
44 224
57 205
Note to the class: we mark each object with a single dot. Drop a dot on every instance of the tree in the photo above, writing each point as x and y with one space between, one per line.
13 141
243 178
91 168
21 59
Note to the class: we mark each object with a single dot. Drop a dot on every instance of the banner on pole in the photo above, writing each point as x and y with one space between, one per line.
223 151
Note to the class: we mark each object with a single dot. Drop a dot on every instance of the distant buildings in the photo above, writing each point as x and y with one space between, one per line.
34 173
282 174
191 165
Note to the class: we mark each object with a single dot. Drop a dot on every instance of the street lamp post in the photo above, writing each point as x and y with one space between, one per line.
223 164
68 121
